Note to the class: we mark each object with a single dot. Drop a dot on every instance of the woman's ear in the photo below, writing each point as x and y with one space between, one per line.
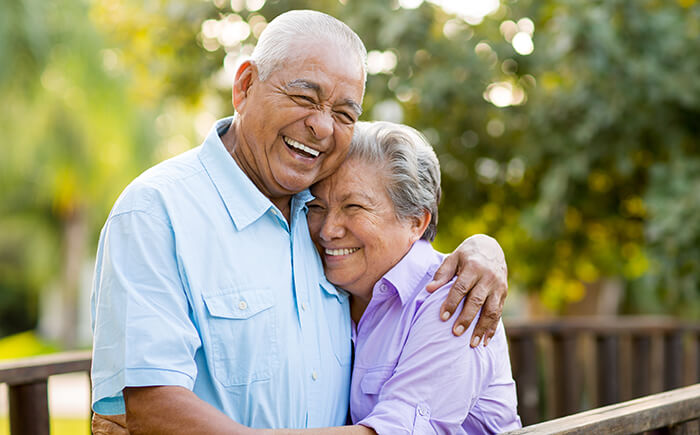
246 74
419 224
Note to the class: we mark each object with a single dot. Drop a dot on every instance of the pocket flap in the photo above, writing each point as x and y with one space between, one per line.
239 304
373 381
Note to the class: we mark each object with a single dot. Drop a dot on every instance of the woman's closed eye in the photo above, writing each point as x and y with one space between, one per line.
315 208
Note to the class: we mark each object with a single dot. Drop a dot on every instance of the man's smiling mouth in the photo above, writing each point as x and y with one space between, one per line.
300 148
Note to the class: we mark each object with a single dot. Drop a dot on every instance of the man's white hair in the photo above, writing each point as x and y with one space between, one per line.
274 45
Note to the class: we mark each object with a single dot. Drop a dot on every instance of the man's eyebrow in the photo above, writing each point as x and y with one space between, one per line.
355 106
305 84
301 83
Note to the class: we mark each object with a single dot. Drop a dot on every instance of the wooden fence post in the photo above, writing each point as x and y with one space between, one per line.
29 408
524 355
608 368
566 372
673 359
641 368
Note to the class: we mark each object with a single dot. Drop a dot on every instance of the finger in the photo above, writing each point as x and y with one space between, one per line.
486 325
490 317
444 274
472 304
457 292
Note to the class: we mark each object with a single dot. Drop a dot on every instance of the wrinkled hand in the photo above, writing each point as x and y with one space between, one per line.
109 424
482 278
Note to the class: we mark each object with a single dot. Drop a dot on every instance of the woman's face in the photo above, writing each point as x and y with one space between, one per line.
355 229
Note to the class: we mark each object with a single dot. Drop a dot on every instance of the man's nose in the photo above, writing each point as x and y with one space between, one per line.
320 123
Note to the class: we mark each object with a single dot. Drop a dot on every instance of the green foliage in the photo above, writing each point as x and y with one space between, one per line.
23 345
590 173
58 426
72 142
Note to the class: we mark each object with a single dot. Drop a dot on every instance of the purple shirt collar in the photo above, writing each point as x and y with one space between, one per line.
412 272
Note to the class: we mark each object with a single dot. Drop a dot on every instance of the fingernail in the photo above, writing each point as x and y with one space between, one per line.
459 329
445 315
475 341
486 341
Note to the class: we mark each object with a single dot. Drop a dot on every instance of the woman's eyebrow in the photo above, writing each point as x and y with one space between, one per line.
355 196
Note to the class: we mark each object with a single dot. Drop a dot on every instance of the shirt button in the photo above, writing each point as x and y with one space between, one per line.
314 375
383 287
422 411
304 306
242 305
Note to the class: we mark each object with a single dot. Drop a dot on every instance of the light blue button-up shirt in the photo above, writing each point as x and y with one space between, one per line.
201 283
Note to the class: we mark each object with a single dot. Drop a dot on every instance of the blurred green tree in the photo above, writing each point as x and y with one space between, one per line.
566 129
73 139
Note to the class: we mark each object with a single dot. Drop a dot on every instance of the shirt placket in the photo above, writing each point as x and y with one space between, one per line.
305 311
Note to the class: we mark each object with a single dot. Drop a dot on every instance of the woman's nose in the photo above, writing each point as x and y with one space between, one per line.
332 227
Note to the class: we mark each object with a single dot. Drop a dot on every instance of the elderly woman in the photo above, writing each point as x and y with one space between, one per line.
372 222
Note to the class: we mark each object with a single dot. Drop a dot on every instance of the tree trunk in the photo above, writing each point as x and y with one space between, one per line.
75 234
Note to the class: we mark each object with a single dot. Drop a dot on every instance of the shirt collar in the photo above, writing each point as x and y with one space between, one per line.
332 290
244 202
414 271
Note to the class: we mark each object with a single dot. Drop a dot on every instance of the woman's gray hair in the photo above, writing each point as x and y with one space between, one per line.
412 168
274 45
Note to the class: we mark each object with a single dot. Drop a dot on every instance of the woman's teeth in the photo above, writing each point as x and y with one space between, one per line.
344 251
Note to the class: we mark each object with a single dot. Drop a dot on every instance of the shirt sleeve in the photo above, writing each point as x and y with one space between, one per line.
436 380
143 331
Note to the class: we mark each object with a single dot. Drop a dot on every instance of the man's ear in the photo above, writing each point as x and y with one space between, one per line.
419 224
246 74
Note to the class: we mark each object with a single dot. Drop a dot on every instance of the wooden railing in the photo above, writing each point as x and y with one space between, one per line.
27 380
560 367
675 412
566 366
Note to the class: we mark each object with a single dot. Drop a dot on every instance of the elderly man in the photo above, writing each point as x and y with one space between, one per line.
211 312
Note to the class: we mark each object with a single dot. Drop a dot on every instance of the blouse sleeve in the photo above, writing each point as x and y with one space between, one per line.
436 380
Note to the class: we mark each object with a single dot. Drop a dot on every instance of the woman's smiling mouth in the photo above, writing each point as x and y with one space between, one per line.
342 251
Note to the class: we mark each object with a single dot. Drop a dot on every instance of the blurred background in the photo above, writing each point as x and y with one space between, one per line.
569 130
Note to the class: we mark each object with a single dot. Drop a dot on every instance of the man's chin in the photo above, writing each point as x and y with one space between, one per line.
297 184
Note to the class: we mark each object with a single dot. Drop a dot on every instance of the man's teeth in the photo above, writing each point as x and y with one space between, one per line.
300 146
344 251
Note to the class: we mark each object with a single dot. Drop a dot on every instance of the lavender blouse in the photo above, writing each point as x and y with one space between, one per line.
412 376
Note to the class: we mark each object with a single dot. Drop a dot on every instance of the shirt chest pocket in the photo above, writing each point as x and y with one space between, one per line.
373 381
243 335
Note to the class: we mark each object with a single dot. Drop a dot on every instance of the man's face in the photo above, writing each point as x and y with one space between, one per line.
298 123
